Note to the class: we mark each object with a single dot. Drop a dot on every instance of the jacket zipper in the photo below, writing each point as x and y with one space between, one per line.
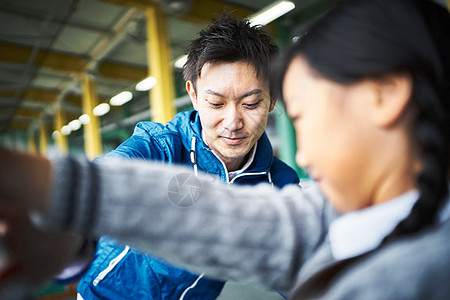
111 266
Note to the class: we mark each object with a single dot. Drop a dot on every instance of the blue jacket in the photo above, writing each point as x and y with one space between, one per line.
120 272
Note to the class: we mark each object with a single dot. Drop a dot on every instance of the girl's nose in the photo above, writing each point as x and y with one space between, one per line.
301 160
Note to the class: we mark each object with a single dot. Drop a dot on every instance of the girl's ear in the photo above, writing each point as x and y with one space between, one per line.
191 92
393 92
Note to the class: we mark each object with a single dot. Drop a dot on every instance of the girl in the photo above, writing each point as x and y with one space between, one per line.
368 91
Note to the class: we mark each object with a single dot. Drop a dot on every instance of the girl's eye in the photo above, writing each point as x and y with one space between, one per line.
296 119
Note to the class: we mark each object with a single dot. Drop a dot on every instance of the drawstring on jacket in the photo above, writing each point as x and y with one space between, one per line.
270 179
193 155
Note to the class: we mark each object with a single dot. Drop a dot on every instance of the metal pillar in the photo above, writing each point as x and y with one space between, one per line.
92 137
159 58
32 143
61 140
42 140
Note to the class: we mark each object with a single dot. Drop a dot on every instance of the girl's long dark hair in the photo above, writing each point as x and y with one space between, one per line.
362 39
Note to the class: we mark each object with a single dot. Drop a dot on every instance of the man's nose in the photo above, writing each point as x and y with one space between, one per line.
233 119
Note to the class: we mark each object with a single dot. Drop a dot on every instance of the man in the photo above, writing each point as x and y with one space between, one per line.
227 80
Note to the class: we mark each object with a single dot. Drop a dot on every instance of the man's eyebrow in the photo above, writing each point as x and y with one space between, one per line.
211 92
252 92
247 94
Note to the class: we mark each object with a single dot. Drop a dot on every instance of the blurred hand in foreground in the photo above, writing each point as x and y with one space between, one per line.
28 255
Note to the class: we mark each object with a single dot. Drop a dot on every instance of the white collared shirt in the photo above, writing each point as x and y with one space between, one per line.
247 164
358 232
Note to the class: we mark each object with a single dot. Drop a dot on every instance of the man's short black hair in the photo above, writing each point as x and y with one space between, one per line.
229 39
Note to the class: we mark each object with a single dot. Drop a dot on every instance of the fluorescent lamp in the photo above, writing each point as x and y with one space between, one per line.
146 84
75 125
101 109
271 12
84 119
56 134
65 130
121 98
179 63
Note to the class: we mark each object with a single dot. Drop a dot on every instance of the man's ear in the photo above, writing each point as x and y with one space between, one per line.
273 101
191 92
393 92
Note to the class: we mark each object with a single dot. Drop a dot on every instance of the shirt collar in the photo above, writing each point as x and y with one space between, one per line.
358 232
247 164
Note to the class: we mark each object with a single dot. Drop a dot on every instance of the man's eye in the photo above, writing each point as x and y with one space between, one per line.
215 105
252 105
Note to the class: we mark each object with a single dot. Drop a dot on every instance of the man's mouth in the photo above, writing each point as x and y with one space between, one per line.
233 141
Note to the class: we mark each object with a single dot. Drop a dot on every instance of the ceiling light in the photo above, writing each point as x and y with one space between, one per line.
179 63
271 12
121 98
75 125
177 7
56 134
65 130
84 119
101 109
146 84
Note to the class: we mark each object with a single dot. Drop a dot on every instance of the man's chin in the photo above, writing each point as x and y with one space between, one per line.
235 152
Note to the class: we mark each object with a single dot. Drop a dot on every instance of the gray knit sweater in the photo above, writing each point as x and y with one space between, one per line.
275 238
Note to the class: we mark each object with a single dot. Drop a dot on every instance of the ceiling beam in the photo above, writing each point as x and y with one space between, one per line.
119 71
202 11
19 125
52 60
28 113
40 95
68 63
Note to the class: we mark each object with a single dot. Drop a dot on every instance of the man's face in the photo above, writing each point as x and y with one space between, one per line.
233 105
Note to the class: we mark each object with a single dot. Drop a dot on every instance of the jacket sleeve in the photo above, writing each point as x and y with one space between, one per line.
149 141
168 212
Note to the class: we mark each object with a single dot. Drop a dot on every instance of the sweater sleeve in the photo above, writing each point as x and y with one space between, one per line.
256 234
